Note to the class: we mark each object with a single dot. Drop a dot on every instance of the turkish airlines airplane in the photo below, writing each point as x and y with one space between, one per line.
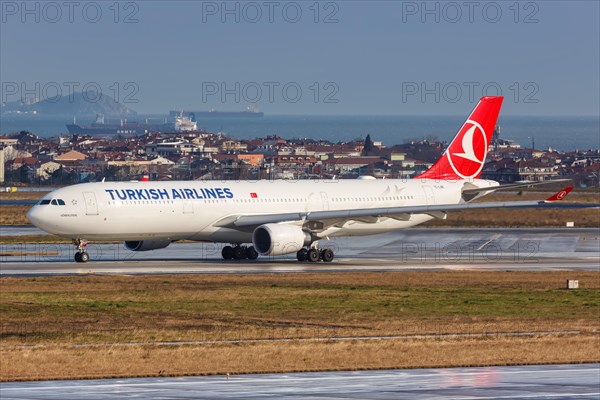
279 217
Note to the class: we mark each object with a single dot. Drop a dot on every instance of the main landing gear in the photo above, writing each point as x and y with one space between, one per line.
81 256
315 255
239 253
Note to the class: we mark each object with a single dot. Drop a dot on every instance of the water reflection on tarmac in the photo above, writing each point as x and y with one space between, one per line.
411 249
520 382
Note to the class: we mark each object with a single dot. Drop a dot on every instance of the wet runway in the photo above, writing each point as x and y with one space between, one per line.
522 382
411 249
19 230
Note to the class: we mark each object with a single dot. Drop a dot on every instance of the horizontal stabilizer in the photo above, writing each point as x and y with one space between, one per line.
560 195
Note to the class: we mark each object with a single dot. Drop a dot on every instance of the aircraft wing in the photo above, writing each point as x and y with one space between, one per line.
438 211
525 184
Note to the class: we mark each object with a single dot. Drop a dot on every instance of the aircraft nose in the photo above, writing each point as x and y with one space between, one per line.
34 215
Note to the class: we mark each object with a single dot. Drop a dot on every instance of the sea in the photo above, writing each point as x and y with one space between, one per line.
557 132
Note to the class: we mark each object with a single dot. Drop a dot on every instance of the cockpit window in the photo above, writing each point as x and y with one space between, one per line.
54 202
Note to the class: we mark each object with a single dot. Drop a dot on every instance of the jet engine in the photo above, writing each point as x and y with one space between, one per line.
145 245
279 239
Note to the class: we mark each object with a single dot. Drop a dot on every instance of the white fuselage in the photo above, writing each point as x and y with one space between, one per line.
191 210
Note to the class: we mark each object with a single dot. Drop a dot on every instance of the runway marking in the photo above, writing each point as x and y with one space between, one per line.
495 237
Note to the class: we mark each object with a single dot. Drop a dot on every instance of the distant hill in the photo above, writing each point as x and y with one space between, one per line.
80 104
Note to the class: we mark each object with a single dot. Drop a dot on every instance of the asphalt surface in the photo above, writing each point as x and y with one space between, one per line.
17 202
522 382
411 249
19 230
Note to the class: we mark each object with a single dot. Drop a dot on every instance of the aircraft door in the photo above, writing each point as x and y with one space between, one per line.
429 196
325 201
188 206
91 206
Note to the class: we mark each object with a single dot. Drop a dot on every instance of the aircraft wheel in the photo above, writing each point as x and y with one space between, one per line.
302 255
84 257
327 255
239 253
313 255
227 253
78 257
251 253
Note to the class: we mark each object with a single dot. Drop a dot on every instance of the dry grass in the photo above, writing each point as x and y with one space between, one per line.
54 314
38 239
69 363
519 219
14 215
22 195
100 309
17 253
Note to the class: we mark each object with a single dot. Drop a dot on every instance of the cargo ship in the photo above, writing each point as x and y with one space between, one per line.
179 123
249 112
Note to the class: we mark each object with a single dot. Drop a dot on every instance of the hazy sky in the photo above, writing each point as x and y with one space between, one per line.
342 57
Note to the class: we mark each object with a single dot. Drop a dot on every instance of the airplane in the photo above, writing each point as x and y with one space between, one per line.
279 217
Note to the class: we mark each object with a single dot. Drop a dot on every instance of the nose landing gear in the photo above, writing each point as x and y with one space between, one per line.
81 255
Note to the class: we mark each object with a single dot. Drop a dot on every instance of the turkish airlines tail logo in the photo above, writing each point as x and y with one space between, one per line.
465 157
468 146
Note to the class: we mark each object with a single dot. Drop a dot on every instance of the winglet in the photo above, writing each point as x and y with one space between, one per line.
560 195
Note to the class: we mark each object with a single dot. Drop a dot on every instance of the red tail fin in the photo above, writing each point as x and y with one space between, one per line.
465 156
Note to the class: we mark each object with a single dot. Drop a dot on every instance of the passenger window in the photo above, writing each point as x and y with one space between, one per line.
44 202
61 202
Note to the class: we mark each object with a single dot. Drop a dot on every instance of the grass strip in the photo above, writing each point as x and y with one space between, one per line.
56 315
140 361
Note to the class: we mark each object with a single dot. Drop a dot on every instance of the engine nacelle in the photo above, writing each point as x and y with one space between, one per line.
145 245
279 239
